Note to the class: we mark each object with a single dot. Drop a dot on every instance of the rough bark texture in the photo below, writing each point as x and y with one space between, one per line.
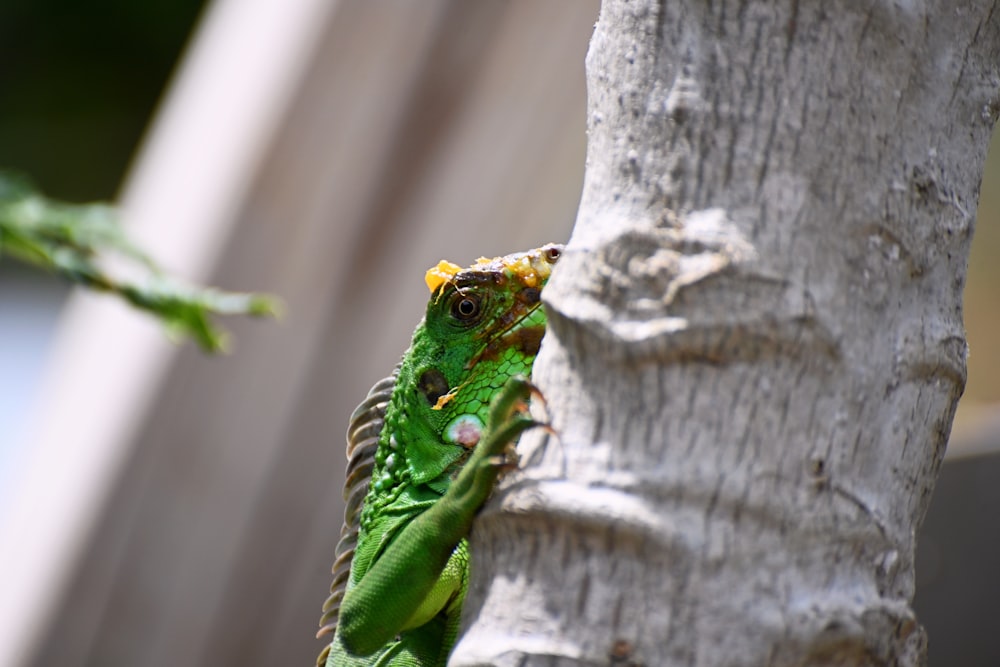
756 341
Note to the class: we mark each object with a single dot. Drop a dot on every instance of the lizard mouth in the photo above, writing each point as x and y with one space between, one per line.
527 272
516 328
516 331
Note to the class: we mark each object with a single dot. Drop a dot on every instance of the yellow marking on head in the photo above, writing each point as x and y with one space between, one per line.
530 269
526 270
443 400
438 275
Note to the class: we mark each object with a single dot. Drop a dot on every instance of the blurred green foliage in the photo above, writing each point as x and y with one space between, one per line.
86 244
79 80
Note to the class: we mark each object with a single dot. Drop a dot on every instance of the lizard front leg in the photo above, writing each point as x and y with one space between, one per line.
404 581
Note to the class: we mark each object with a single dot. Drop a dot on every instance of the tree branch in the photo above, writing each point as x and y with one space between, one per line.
755 343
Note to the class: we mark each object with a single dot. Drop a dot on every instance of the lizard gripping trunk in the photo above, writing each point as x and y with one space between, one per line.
424 451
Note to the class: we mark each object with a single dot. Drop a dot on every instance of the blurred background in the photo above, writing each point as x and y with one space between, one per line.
159 507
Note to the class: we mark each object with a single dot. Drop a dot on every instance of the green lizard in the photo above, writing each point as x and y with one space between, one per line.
424 450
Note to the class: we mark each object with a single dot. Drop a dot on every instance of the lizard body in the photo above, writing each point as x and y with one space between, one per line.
424 451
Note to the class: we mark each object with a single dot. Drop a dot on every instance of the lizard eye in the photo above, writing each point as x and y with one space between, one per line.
465 307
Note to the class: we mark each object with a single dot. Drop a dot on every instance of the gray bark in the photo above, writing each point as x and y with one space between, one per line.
755 345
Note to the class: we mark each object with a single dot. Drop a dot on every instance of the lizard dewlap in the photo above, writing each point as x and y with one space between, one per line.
422 457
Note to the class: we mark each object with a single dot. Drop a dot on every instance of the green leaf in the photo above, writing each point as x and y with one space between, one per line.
86 244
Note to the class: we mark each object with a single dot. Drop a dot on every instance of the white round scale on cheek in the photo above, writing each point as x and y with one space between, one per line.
464 430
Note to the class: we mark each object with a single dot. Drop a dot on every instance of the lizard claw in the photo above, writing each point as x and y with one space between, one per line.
535 392
536 396
506 463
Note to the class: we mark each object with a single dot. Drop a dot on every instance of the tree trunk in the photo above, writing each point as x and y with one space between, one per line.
755 344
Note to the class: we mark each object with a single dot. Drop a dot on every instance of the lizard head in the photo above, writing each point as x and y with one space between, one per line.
483 325
493 304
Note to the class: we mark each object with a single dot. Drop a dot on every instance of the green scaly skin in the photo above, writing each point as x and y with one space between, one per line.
456 408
